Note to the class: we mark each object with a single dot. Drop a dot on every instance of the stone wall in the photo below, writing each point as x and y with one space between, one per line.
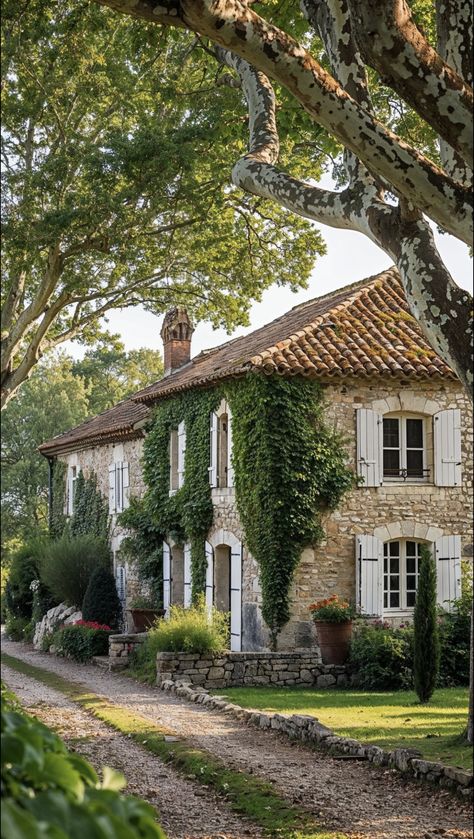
120 647
235 669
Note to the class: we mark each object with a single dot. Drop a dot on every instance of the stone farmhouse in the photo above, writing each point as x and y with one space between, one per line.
408 429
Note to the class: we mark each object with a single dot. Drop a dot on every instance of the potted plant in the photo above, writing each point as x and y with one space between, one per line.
144 613
333 620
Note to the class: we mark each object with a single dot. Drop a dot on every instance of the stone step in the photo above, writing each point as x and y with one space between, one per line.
107 663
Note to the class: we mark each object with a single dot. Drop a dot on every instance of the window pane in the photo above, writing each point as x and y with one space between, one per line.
411 548
394 548
411 582
385 562
414 434
391 434
385 601
385 549
394 582
414 463
394 565
411 565
391 462
394 601
411 596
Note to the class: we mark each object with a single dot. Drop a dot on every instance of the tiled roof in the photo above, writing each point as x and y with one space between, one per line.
364 329
115 424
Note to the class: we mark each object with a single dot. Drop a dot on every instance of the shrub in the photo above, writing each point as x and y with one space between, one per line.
14 627
66 566
381 657
454 637
425 627
101 602
47 791
82 640
24 568
46 641
191 630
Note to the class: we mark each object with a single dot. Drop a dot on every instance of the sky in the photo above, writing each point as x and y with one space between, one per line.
350 257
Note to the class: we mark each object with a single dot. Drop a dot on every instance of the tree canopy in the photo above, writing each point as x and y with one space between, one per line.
116 149
386 87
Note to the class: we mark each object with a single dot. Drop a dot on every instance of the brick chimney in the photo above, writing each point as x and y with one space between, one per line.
176 333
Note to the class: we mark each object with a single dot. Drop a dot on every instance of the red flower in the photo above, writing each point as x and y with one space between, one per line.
93 625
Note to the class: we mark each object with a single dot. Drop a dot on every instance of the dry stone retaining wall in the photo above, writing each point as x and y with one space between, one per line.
236 669
310 730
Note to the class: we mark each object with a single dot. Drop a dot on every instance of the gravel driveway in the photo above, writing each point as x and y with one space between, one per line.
354 797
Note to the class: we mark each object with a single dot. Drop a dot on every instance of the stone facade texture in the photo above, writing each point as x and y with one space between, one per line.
394 510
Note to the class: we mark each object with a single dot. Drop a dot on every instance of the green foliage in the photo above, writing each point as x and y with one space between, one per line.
148 214
48 791
24 569
426 653
454 637
332 609
381 657
15 627
289 467
143 547
50 402
192 630
101 602
67 564
58 519
91 511
81 642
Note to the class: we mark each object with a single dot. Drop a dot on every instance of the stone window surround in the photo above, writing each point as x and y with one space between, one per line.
410 402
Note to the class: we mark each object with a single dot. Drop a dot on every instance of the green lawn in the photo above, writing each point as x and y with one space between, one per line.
383 719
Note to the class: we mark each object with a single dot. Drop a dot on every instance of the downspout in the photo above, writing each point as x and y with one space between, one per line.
50 493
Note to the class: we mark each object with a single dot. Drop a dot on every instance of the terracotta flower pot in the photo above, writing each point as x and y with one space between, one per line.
334 640
143 619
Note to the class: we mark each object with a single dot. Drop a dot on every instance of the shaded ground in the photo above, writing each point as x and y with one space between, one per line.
354 797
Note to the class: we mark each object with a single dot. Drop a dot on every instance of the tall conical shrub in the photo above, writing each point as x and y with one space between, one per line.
426 638
101 602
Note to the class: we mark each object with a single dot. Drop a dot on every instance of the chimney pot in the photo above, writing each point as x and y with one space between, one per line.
176 333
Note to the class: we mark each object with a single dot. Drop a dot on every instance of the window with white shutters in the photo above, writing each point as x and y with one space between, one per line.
166 578
173 453
404 448
221 471
214 422
447 447
369 574
71 490
369 447
181 453
448 570
401 559
119 485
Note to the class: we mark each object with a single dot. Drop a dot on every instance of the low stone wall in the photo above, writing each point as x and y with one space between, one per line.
309 729
236 669
120 647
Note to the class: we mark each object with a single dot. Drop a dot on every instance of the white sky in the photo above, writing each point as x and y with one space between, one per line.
350 257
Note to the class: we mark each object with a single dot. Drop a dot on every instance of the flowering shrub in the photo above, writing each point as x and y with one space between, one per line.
332 610
82 640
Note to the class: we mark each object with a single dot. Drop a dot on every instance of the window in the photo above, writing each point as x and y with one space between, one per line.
177 450
404 448
118 487
221 473
400 574
71 490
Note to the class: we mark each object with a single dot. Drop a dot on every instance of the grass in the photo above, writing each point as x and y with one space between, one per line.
390 720
244 793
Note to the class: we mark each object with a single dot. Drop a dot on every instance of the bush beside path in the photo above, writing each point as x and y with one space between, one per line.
354 798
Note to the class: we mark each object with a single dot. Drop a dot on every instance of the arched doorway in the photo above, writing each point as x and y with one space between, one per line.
224 581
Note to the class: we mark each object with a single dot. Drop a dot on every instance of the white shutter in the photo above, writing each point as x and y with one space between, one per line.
447 448
125 485
120 582
369 574
68 495
209 577
369 447
112 488
230 468
181 453
187 576
214 443
166 578
236 599
448 570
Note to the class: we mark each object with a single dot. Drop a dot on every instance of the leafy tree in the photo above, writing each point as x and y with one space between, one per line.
426 654
101 602
379 81
115 187
52 401
110 373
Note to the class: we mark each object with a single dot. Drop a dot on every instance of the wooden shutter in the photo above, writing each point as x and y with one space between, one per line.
125 485
112 488
120 582
447 448
187 576
230 468
166 578
369 574
448 570
369 447
214 443
67 510
209 576
181 453
236 599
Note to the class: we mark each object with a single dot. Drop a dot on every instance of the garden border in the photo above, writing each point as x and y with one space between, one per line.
309 729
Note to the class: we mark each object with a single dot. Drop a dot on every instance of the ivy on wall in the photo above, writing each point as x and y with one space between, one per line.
91 512
289 468
143 546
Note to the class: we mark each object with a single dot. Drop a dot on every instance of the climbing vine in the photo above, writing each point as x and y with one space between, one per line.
289 467
91 511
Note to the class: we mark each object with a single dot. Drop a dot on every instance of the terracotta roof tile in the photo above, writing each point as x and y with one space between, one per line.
115 424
